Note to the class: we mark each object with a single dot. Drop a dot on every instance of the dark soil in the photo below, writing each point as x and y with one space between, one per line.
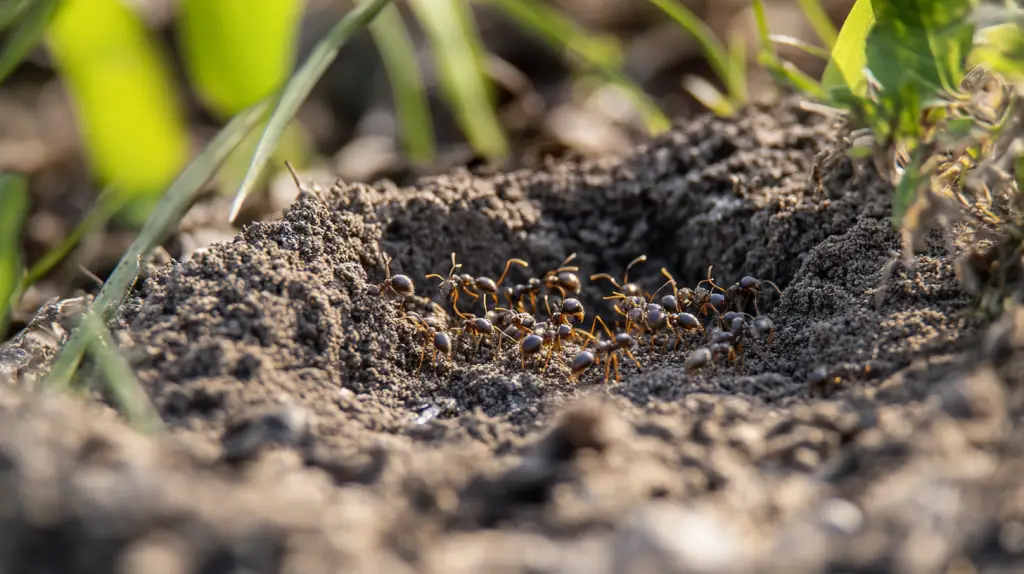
303 441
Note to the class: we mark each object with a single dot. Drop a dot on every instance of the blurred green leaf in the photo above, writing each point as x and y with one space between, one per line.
915 177
848 54
1001 49
236 55
601 55
123 94
459 54
713 49
10 11
767 52
14 205
738 66
121 383
28 31
820 21
295 91
709 96
411 106
168 213
800 44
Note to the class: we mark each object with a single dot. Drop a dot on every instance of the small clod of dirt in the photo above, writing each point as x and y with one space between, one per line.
876 429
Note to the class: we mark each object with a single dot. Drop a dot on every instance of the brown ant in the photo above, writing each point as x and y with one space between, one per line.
626 288
449 288
569 309
704 298
607 349
562 279
401 285
439 339
698 359
752 286
489 286
648 316
480 327
682 323
680 298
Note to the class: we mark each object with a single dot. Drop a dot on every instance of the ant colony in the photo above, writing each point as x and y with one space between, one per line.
543 317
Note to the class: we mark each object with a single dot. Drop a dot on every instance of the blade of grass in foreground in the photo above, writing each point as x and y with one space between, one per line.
13 209
399 54
28 33
459 56
10 11
121 383
299 86
605 56
168 213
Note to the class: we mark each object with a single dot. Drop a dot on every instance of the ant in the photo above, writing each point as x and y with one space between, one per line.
480 327
607 349
489 286
648 316
449 288
752 286
704 298
569 309
562 279
698 359
626 288
682 323
680 298
439 339
401 285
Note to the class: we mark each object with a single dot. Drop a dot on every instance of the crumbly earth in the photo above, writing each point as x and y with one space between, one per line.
302 439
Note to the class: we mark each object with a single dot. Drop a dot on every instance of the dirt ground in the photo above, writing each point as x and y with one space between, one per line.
302 440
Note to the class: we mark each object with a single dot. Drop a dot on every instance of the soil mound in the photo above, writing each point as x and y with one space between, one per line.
873 432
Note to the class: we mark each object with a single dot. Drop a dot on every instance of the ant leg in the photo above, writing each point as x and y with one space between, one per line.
607 368
604 325
476 351
547 359
615 358
636 362
423 355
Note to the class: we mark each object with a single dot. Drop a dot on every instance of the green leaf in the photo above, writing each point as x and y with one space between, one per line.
236 55
28 33
10 11
709 96
399 55
460 60
767 53
168 213
801 45
915 177
848 54
298 88
14 205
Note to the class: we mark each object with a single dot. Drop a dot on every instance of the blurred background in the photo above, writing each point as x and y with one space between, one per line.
123 93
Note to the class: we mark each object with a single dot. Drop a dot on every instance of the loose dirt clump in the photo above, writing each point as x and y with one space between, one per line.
876 432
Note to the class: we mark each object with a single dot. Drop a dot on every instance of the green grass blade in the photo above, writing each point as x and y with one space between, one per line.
168 213
458 52
738 66
299 87
109 203
713 49
799 80
26 36
820 21
848 54
709 96
14 203
10 11
399 55
600 55
801 45
767 54
121 383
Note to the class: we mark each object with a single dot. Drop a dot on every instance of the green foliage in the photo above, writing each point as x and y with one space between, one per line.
28 19
846 68
723 62
236 54
461 64
298 88
784 72
124 96
14 204
820 21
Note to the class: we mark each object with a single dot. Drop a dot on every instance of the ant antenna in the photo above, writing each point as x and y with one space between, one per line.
711 280
625 276
606 276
